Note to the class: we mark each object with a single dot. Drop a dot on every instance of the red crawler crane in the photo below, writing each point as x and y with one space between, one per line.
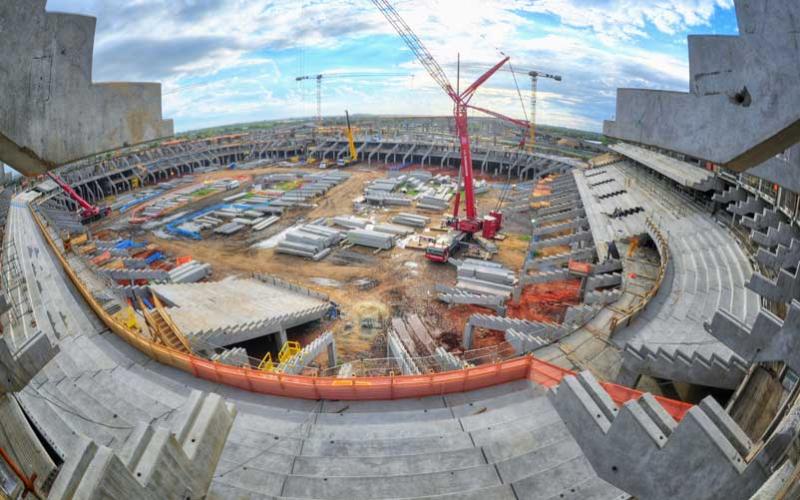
88 212
471 223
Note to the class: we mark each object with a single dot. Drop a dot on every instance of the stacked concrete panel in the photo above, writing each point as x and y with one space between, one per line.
371 239
412 220
310 240
191 272
398 351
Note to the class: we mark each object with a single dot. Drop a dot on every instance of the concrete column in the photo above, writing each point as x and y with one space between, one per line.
332 361
282 338
466 341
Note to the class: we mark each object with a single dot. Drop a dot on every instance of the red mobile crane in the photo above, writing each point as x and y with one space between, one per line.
89 213
471 223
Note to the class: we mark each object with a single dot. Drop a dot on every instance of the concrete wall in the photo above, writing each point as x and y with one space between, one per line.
50 111
743 107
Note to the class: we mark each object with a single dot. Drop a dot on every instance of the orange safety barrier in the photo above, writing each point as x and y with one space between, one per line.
355 388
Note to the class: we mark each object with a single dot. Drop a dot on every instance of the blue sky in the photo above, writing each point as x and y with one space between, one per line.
225 61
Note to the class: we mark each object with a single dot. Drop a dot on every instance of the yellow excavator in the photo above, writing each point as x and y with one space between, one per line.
343 162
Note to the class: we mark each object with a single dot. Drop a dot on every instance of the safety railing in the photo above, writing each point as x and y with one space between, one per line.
355 388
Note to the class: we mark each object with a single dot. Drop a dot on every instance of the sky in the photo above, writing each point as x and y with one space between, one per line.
229 61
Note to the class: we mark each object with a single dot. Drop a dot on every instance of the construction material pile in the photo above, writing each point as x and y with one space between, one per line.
485 278
312 241
381 192
312 185
372 239
350 221
190 272
411 220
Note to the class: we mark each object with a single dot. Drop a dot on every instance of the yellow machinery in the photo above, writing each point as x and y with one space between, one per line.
353 157
128 318
289 350
350 141
266 364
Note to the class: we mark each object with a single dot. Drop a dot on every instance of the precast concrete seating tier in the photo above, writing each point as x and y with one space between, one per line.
707 271
600 208
496 442
679 171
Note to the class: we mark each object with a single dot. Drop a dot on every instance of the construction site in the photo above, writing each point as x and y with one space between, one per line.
403 307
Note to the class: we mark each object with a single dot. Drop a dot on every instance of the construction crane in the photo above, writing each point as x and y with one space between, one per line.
351 143
519 123
470 224
535 75
330 76
88 212
531 124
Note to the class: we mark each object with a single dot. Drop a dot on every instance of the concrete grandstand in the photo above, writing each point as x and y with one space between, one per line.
243 324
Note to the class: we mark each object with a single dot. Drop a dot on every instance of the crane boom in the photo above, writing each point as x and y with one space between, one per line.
88 211
515 121
415 44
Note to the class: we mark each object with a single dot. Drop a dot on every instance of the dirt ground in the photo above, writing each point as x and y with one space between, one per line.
369 287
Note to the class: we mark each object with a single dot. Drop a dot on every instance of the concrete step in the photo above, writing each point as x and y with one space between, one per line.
402 486
641 440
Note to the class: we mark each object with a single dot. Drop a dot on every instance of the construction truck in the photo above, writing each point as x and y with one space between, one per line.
445 246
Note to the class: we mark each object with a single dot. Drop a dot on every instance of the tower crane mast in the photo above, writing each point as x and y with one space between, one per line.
535 75
330 76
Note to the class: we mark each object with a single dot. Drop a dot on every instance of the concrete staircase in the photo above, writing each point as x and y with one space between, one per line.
638 447
678 365
769 339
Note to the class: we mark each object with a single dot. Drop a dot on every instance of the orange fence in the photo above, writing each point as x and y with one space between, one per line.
355 388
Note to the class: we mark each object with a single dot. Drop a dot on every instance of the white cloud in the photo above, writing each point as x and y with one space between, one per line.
215 57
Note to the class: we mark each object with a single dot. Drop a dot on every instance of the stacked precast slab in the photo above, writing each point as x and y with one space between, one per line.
483 277
372 239
412 220
310 240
